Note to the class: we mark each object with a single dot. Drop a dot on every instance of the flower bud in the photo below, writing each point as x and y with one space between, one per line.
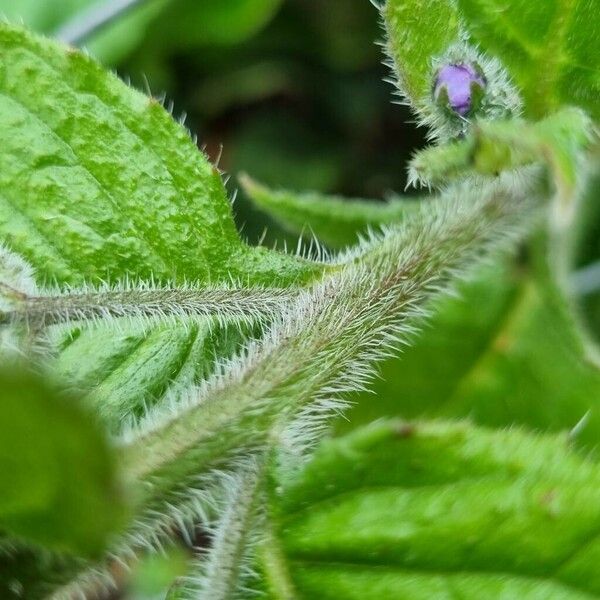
458 86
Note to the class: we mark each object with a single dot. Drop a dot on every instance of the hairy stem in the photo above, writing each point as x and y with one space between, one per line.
327 341
220 574
144 301
281 390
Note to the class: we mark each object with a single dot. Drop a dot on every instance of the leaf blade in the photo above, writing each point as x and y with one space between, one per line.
137 197
397 509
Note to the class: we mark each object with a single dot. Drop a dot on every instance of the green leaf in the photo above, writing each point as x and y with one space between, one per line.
336 221
124 372
59 486
400 510
98 182
551 48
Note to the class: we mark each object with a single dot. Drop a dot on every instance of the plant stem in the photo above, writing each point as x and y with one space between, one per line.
327 341
142 301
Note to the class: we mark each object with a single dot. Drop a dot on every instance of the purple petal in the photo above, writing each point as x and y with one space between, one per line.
457 80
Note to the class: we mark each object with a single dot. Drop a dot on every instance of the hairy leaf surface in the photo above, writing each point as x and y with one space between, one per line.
98 182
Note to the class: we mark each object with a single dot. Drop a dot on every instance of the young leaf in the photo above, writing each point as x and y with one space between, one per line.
551 48
336 221
59 486
560 141
172 337
435 511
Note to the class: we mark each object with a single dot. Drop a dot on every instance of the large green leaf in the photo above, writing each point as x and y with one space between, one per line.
400 510
551 48
58 483
97 181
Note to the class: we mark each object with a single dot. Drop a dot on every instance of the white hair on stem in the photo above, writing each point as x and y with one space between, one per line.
137 300
220 573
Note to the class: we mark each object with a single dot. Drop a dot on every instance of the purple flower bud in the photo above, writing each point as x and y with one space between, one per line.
456 81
